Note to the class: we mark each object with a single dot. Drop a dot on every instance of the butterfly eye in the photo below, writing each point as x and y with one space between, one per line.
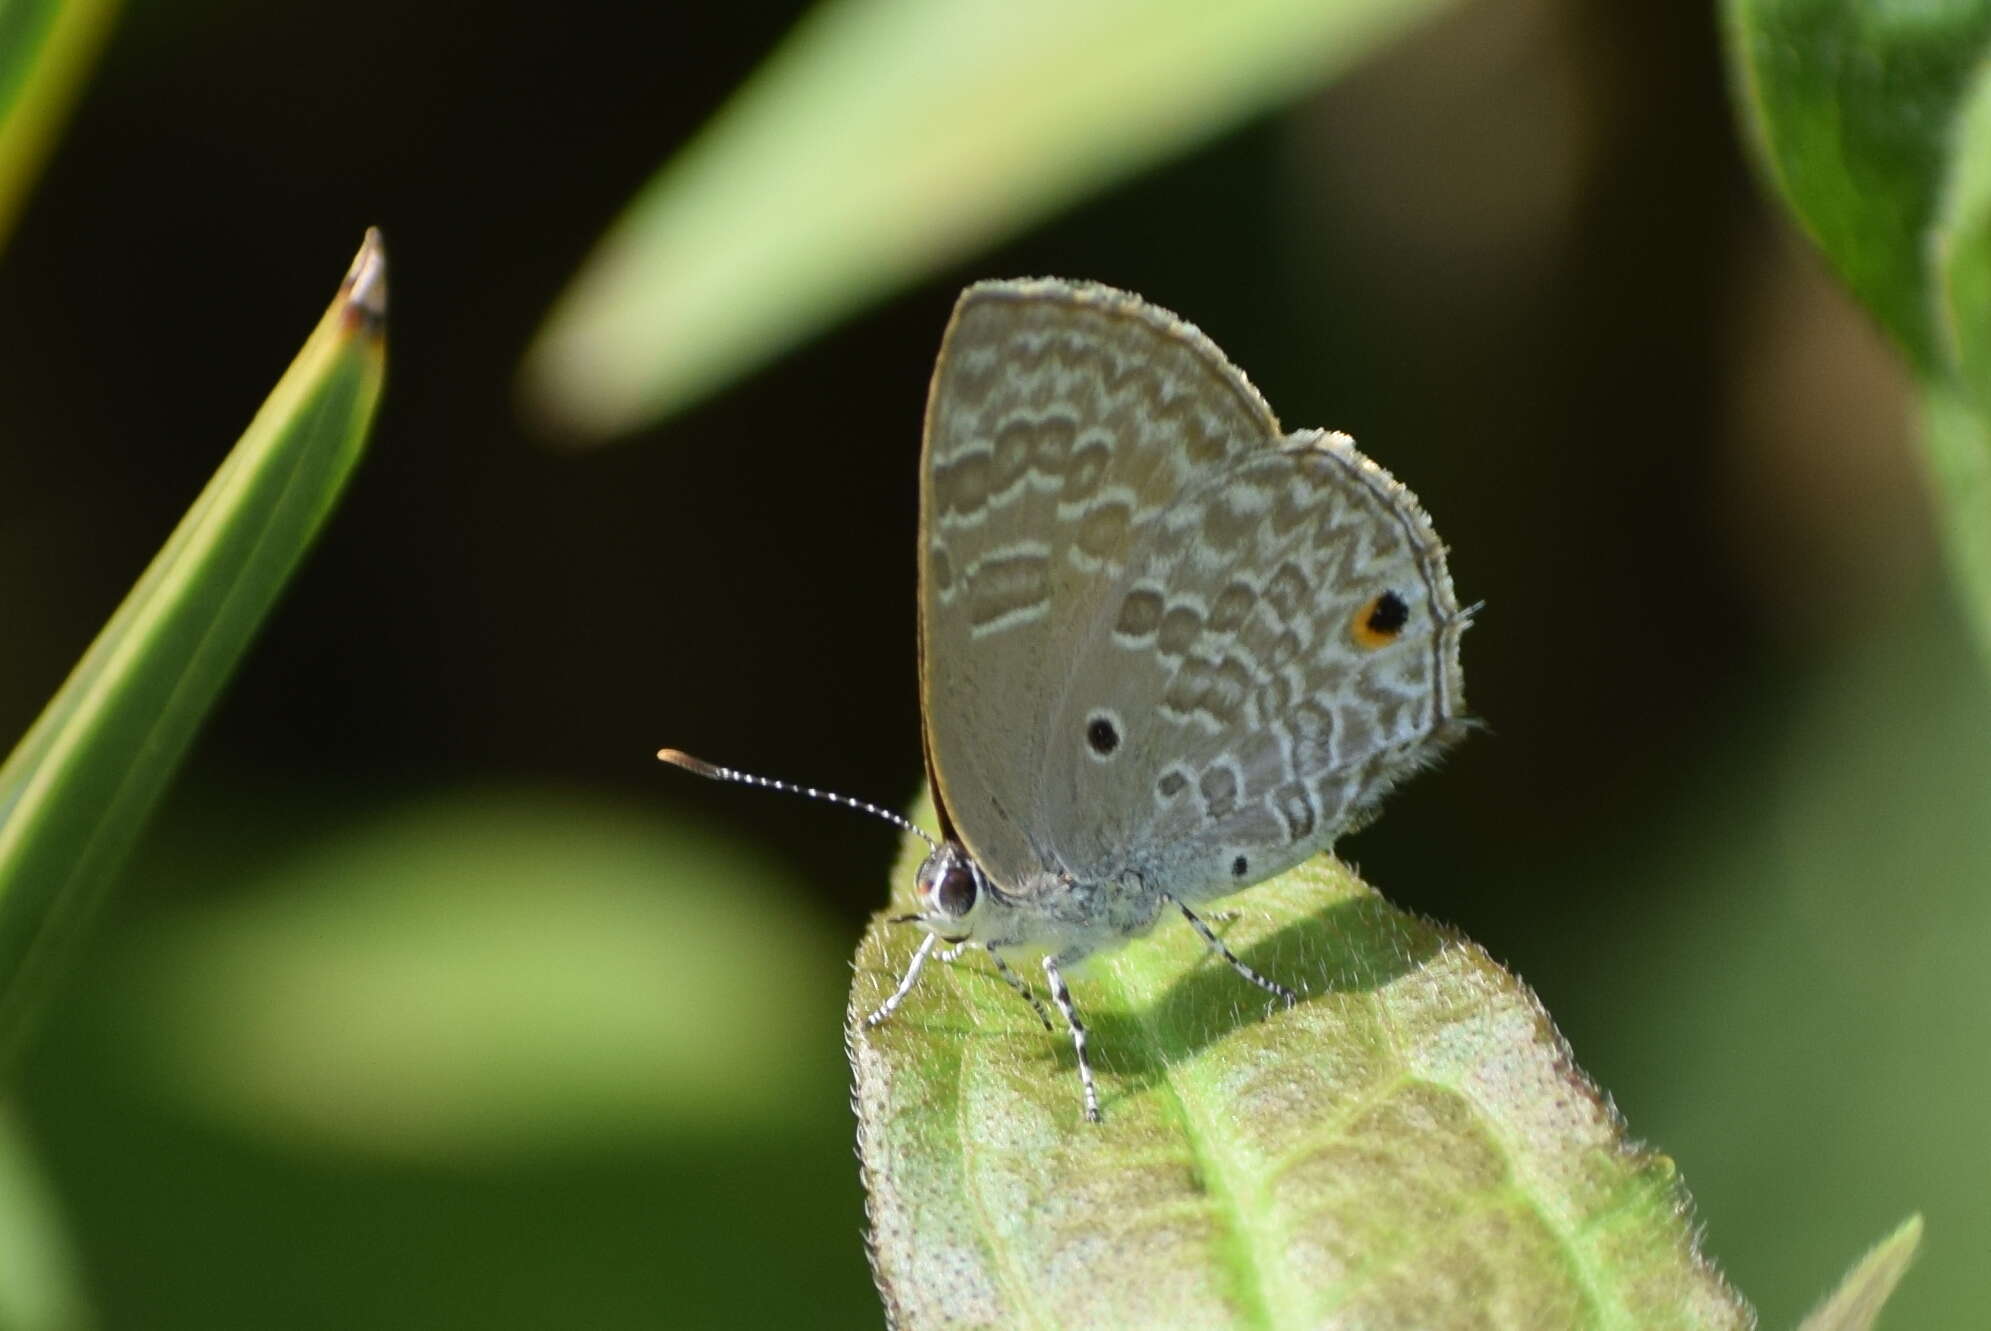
948 884
954 895
1380 619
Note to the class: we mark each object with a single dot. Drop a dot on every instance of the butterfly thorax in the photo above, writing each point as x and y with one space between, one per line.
1055 912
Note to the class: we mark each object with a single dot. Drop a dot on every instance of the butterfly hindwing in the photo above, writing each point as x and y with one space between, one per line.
1280 648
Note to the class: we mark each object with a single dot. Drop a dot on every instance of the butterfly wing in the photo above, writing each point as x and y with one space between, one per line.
1065 424
1282 648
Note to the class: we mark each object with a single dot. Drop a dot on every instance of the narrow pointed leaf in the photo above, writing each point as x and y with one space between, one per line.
76 790
1856 1304
1412 1145
46 47
887 138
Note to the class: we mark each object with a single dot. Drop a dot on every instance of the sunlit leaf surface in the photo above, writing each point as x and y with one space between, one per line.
1412 1146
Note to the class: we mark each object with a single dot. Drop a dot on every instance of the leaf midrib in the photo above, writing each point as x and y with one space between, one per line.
1219 1172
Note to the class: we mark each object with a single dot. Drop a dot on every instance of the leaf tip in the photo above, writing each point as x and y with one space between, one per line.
1857 1303
363 294
564 397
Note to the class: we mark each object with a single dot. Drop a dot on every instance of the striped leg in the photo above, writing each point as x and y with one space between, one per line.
1016 983
1063 998
891 1005
1269 986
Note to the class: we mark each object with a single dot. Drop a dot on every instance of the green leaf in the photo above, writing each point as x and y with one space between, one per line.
1412 1145
38 1274
76 790
1856 1304
489 974
45 48
1963 242
887 138
1853 105
1956 445
1872 120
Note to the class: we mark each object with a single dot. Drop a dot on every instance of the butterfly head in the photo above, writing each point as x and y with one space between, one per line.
949 890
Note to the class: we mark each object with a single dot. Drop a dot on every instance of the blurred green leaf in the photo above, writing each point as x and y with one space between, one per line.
1956 444
1963 235
887 138
1856 1304
490 974
1412 1145
1809 962
1854 105
1872 120
509 1058
45 48
38 1285
76 790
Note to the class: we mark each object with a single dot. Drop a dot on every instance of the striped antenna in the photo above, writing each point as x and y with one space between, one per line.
714 772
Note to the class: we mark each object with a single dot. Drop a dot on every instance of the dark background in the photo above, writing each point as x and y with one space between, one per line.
1519 257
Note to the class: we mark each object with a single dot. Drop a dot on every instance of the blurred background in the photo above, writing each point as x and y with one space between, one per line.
431 999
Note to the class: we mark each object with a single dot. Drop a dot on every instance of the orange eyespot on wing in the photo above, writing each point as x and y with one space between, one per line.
1379 621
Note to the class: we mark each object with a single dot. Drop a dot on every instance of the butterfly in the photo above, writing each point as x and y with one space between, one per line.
1167 648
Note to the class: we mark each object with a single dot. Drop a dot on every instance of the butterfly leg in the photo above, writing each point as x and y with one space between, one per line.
1016 983
891 1005
1272 987
1063 998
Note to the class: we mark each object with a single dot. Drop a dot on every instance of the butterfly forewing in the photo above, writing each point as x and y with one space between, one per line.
1065 422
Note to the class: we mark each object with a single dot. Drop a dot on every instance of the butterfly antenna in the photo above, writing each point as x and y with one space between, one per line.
714 772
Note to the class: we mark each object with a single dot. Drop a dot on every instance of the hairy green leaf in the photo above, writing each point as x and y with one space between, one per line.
45 48
887 138
1412 1146
76 790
